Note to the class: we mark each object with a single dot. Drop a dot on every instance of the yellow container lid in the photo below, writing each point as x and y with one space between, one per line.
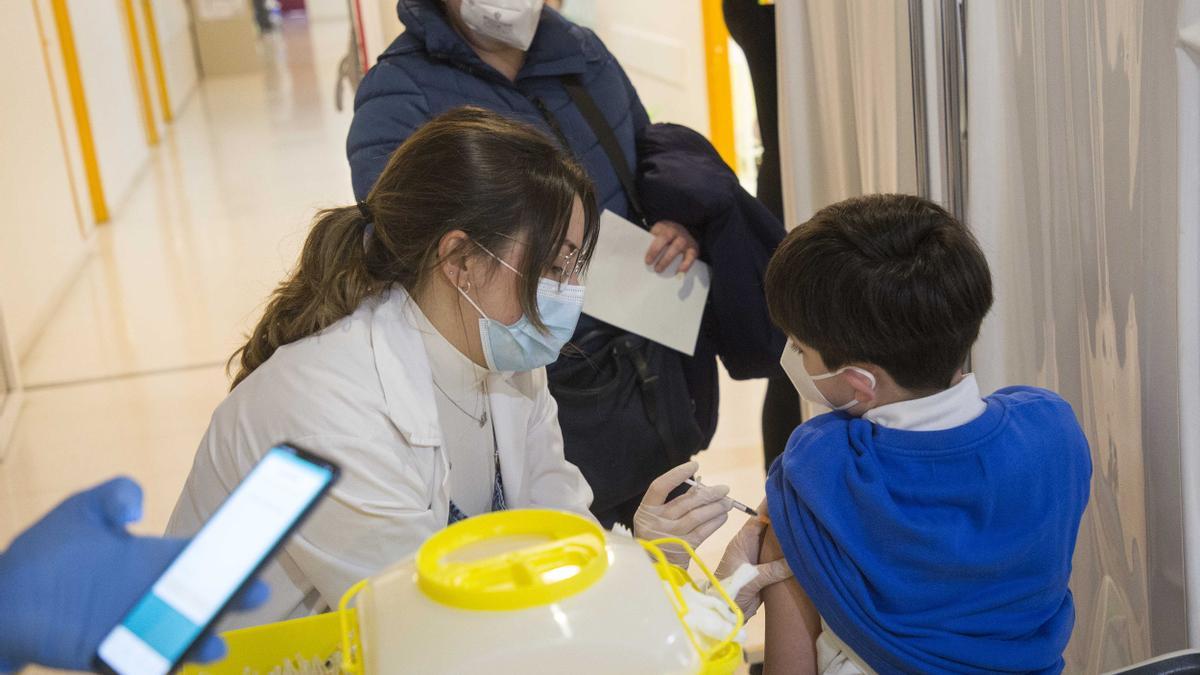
511 560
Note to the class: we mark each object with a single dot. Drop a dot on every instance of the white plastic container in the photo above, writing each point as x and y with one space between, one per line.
522 591
531 591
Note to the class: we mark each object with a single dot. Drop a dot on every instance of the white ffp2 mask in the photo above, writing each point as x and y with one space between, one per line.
793 364
513 22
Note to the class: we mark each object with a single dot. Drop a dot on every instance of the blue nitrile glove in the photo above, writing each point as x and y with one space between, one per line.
71 577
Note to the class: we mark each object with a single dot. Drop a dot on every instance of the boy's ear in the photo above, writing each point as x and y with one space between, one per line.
864 388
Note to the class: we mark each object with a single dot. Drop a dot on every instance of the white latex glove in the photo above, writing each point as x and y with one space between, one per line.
743 550
692 516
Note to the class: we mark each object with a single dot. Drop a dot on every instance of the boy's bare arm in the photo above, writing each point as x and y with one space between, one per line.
793 623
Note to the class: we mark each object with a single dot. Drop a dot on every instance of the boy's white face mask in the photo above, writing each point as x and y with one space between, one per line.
513 22
793 364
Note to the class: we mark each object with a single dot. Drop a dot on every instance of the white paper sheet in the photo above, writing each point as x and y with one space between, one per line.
626 292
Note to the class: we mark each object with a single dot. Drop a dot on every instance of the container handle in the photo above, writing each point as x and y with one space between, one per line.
675 580
351 643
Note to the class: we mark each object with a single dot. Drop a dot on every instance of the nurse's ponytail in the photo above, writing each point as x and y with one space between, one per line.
468 169
327 284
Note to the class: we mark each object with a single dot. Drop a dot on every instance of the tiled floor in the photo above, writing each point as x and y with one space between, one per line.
125 376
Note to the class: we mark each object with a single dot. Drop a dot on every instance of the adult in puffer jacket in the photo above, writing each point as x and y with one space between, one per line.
438 63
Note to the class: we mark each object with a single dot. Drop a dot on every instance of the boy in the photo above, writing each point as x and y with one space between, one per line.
929 529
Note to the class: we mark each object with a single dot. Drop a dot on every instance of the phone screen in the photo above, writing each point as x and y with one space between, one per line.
239 538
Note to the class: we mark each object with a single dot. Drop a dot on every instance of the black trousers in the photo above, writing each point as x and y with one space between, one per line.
753 27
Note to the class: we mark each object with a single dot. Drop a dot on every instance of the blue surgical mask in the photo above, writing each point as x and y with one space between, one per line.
521 346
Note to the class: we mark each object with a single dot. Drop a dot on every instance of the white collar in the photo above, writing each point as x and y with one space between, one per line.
403 368
946 409
454 372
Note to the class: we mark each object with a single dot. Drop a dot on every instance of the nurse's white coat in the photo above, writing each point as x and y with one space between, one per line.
360 393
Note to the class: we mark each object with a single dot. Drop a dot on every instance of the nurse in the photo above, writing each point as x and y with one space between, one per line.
409 345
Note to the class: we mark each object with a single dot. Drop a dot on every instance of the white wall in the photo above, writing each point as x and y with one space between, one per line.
58 84
41 241
10 390
661 47
380 25
178 51
102 41
143 32
325 10
46 215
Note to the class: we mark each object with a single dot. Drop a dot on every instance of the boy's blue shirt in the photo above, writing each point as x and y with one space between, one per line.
939 551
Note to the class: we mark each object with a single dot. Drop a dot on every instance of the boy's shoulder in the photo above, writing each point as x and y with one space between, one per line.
821 425
1042 424
1036 403
1022 394
812 439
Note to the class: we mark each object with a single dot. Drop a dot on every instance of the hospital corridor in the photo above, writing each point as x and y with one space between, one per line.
600 336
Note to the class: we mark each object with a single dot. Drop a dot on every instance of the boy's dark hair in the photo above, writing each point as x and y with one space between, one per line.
892 280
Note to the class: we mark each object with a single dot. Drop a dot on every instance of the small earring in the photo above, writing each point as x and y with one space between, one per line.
467 288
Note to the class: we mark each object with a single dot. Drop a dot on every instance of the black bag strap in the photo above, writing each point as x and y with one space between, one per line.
608 141
648 381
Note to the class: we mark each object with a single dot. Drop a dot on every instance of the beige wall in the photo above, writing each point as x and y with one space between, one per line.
46 216
105 63
380 25
156 109
178 50
325 10
41 238
661 47
51 59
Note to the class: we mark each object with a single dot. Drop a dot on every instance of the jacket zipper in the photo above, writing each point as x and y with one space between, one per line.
537 102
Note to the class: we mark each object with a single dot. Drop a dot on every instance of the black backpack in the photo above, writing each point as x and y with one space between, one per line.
625 408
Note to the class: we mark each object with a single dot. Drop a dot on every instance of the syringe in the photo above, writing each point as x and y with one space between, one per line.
736 504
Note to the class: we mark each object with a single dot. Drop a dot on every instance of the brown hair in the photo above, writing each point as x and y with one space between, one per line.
893 280
467 169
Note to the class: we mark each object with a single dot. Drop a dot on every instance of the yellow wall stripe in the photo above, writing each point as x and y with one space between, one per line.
720 87
156 53
87 144
139 71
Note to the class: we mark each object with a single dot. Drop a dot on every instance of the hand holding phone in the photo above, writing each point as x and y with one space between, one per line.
203 580
67 579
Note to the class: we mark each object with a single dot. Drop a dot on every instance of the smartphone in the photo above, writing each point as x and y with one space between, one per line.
197 587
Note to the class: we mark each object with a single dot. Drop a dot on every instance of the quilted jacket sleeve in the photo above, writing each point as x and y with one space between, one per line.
388 107
637 111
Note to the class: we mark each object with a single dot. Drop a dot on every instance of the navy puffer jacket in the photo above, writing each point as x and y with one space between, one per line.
430 69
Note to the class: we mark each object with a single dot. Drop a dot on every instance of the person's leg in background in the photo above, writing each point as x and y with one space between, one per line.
780 417
752 26
262 15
